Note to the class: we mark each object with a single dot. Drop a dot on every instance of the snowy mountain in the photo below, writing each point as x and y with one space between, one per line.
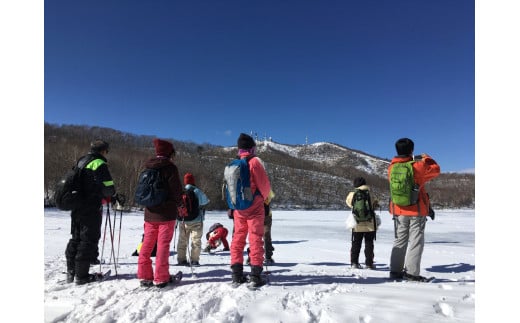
331 155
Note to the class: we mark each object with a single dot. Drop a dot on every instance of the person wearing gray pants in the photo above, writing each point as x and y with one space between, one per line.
409 244
409 206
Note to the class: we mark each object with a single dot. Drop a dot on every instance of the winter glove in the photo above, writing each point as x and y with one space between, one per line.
431 213
207 249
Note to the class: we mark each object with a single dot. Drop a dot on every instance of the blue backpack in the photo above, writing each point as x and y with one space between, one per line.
237 185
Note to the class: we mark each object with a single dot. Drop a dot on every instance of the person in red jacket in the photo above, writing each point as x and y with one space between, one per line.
159 221
217 234
249 223
410 221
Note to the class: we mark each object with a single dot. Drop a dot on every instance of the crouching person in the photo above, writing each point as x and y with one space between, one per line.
216 236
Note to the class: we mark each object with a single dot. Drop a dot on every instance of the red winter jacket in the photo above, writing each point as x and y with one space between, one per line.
424 170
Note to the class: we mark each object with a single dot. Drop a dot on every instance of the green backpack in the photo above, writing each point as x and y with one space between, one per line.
362 206
403 189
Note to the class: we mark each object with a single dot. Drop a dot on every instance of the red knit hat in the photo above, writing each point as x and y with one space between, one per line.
163 148
189 179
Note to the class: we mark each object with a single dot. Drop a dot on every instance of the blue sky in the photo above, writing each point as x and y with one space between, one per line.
360 74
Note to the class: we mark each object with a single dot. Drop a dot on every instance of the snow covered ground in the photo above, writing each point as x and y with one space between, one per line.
311 280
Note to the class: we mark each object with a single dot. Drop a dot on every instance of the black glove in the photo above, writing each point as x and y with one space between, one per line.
431 213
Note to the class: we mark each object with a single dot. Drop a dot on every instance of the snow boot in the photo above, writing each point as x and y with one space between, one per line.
70 276
70 271
417 278
237 275
82 275
89 279
396 275
255 279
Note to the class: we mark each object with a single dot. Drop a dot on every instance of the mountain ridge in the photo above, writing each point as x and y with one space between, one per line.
311 176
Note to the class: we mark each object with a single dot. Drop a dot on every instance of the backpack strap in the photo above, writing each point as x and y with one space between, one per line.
248 158
84 161
372 212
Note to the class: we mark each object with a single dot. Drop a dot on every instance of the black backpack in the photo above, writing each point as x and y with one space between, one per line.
152 188
362 206
191 201
68 192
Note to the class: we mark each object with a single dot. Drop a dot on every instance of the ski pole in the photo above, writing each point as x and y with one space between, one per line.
119 238
104 237
113 238
175 234
112 254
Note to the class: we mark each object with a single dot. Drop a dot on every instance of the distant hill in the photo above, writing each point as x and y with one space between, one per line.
314 176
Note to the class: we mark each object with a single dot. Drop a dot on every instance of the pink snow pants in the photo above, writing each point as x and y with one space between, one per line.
162 233
249 224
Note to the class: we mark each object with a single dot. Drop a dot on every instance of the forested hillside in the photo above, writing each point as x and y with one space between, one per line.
316 176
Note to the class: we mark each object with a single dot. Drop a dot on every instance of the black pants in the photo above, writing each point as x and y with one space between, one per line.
357 239
268 243
85 229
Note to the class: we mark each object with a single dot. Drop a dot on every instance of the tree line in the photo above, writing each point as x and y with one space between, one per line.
297 182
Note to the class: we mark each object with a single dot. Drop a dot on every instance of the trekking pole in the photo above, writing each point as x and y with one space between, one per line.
175 234
104 237
119 238
113 237
112 253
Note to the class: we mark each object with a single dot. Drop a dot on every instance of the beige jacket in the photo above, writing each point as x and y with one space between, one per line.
367 226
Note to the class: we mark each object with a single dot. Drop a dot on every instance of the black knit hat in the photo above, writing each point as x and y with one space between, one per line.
358 181
404 147
98 146
245 141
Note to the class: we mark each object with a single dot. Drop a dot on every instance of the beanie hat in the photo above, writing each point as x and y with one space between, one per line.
163 148
98 146
245 141
189 179
358 181
404 146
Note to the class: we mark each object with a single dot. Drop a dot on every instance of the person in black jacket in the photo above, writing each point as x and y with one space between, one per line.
86 219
